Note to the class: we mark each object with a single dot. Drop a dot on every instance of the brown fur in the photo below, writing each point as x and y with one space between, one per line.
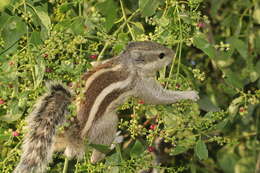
111 63
108 99
95 88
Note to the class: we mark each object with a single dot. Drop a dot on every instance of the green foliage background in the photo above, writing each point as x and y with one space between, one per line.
217 45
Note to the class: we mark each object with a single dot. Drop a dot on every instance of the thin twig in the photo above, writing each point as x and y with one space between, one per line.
102 51
115 33
180 48
66 164
126 21
257 167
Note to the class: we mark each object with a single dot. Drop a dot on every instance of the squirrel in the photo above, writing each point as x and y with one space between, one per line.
107 85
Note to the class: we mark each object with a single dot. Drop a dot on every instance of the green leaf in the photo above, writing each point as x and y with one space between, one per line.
4 136
44 17
224 58
123 37
4 3
109 10
205 46
39 72
12 31
148 7
201 150
221 125
171 120
215 6
239 45
256 14
138 27
4 18
257 44
66 6
77 26
102 148
164 21
137 149
114 159
257 67
227 160
36 38
118 47
206 104
233 79
245 165
178 150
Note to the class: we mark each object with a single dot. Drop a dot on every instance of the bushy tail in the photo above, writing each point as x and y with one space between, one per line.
48 113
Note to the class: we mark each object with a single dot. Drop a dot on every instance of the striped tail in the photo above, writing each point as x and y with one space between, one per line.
48 113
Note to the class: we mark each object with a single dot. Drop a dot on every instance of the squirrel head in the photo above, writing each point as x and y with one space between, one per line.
147 57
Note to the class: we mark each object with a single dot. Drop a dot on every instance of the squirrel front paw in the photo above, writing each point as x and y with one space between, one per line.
193 95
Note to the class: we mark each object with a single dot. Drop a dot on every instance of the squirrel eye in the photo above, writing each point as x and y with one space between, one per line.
161 55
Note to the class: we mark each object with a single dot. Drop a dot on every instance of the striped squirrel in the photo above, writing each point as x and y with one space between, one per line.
107 85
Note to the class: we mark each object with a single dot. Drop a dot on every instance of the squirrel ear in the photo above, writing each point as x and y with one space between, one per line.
130 45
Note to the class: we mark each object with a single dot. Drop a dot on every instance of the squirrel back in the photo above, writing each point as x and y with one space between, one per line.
48 113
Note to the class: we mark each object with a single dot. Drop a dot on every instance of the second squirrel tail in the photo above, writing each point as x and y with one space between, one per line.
48 113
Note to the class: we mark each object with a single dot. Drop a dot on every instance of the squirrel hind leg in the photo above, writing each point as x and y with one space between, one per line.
75 150
60 142
72 146
70 141
103 131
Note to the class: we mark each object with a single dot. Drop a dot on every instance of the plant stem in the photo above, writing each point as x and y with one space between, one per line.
257 167
118 150
180 48
27 46
126 21
166 8
66 164
80 9
114 34
102 51
173 62
123 25
76 171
